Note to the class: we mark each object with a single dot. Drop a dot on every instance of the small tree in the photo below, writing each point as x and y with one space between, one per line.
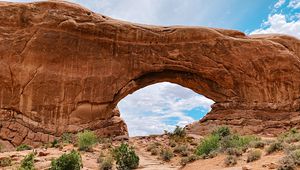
71 161
208 145
86 140
125 157
179 131
28 162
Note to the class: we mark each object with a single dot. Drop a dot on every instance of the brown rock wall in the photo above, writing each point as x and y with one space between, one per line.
64 68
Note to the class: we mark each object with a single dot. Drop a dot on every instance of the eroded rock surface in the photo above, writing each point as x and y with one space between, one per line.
64 68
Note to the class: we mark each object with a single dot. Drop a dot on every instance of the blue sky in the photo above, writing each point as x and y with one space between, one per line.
163 106
235 14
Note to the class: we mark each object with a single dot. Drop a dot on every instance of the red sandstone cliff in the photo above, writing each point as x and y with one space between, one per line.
64 68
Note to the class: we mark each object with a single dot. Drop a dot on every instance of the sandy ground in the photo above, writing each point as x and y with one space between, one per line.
147 161
217 163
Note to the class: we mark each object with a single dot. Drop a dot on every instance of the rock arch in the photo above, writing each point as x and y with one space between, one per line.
64 68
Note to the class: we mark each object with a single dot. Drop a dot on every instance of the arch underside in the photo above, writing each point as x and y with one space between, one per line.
195 82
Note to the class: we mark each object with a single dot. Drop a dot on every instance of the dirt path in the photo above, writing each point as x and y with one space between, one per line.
148 162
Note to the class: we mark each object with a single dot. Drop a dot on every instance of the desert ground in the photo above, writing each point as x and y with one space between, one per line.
280 152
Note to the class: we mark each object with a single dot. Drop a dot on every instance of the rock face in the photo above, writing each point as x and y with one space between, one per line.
64 68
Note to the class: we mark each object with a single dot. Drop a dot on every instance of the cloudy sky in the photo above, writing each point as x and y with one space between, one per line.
163 106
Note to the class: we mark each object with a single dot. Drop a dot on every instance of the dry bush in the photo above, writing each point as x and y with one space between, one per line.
230 160
166 154
253 155
276 146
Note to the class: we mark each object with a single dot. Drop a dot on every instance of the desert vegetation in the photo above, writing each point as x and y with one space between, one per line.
253 155
6 161
28 162
238 149
75 151
23 147
86 140
67 161
106 162
222 140
125 157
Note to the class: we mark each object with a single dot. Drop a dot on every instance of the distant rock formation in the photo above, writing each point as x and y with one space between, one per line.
64 68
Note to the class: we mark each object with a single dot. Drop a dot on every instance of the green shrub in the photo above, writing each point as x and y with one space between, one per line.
28 162
23 147
234 152
230 160
125 157
181 149
86 140
55 144
106 163
66 138
253 155
5 161
179 131
276 146
236 141
70 161
222 131
290 132
166 154
207 145
290 136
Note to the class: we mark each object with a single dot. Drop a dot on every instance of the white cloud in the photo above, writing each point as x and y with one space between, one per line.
150 110
294 4
278 23
279 3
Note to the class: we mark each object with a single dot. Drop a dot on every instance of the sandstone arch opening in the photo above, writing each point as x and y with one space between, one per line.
162 106
66 70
